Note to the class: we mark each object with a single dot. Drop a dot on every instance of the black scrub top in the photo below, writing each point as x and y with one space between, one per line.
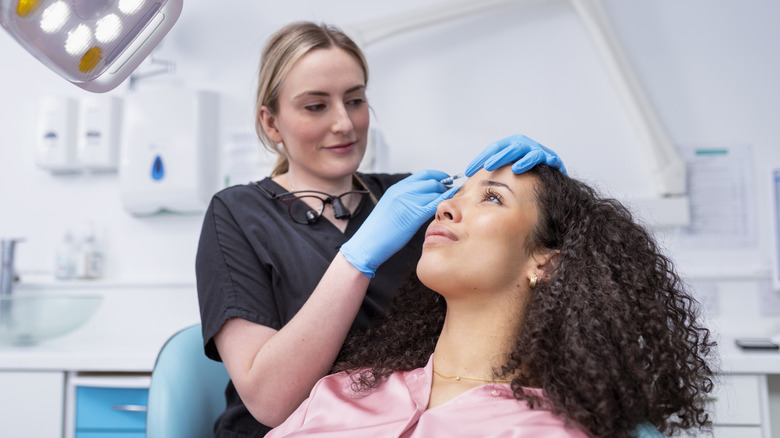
255 263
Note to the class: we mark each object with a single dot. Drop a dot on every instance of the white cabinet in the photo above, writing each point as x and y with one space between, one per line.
31 403
740 406
737 432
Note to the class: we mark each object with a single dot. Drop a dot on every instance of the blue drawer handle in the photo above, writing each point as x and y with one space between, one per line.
129 408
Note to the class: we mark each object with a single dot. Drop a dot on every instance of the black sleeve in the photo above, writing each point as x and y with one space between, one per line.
232 281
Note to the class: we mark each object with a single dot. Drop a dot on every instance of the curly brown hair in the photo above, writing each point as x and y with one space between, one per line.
611 335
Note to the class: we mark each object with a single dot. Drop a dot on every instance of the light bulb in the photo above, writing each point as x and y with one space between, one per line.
54 17
108 28
130 6
26 7
78 40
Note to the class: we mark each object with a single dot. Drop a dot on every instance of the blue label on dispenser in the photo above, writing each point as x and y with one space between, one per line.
158 170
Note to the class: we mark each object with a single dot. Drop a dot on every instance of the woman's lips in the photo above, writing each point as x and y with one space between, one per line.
439 233
341 148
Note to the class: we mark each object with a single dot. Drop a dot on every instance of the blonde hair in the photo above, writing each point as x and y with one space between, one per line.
282 51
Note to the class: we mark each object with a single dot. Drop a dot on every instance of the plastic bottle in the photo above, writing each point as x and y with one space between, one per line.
90 260
65 260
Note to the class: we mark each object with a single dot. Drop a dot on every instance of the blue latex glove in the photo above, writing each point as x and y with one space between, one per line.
518 149
396 217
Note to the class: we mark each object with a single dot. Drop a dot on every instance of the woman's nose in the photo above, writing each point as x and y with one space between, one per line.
447 210
341 120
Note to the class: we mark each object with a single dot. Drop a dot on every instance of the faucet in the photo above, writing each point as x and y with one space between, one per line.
7 274
7 277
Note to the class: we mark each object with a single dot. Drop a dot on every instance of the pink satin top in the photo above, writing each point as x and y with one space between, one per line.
398 408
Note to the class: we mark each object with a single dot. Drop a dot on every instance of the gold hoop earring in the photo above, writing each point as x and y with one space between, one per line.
533 281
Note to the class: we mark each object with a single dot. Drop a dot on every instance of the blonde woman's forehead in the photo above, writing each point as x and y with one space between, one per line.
322 70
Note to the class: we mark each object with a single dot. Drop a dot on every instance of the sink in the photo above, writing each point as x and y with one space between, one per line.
27 319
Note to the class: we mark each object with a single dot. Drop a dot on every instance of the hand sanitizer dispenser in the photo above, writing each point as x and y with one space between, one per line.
169 152
99 136
55 134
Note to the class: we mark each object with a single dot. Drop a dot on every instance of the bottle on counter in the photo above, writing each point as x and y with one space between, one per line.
66 257
90 259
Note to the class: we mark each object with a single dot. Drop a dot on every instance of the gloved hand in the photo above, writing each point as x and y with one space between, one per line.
396 217
518 149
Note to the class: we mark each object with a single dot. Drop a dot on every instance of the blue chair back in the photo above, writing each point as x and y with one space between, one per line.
647 430
187 390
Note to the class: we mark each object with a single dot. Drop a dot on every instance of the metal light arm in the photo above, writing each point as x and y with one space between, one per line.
667 167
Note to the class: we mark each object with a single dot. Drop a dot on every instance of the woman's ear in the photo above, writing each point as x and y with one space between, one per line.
268 122
546 262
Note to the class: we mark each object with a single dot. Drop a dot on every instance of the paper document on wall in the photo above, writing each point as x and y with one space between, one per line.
721 189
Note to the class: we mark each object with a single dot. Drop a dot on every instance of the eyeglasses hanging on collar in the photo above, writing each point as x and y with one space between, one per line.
306 206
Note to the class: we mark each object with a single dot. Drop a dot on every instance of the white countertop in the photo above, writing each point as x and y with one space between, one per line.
134 323
78 353
124 335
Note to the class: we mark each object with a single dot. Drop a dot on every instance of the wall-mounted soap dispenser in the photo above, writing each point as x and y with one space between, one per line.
55 134
99 132
169 152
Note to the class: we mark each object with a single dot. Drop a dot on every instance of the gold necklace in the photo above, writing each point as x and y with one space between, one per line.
459 378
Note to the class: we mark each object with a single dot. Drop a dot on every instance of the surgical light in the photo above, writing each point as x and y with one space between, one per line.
95 44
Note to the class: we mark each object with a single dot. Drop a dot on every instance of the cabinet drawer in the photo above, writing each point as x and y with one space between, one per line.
110 410
736 432
737 400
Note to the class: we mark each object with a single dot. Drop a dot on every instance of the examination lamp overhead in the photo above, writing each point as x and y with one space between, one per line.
95 44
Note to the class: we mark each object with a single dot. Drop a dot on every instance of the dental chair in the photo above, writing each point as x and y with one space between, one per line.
187 390
647 430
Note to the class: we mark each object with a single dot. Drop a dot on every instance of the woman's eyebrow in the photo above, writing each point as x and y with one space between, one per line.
325 93
355 88
493 183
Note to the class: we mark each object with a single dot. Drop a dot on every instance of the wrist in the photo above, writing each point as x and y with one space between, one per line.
356 262
355 265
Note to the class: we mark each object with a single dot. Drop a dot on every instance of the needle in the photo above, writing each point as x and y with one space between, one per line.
450 180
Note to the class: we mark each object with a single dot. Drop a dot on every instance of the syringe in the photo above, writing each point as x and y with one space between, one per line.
450 180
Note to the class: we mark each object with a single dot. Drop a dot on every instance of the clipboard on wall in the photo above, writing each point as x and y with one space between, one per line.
721 187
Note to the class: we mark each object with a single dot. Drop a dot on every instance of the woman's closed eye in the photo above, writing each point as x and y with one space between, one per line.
315 108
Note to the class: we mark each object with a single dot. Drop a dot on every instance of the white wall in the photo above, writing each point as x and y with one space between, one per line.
439 94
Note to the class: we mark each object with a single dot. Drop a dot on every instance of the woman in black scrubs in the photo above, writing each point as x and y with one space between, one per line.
277 296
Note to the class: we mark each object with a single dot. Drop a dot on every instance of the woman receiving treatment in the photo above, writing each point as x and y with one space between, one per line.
541 310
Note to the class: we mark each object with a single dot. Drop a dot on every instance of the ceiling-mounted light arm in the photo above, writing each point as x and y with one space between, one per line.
368 32
668 168
162 67
93 44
